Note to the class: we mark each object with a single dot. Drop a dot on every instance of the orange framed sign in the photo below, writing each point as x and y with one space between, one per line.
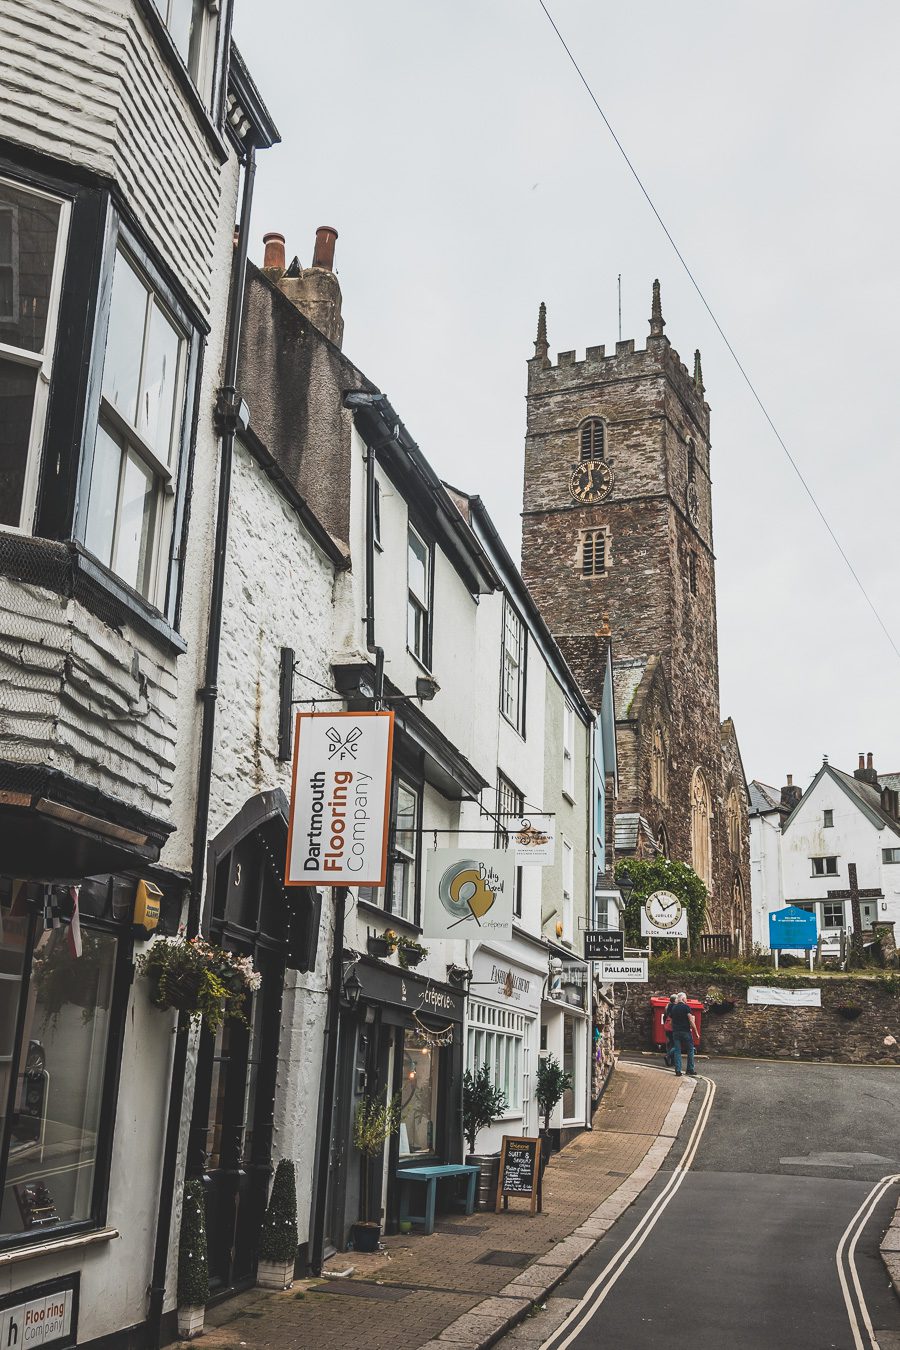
340 799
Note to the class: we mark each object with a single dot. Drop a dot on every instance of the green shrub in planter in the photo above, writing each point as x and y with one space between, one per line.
278 1238
552 1082
483 1103
193 1268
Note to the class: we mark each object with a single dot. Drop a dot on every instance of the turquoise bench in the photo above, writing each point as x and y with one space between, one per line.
431 1176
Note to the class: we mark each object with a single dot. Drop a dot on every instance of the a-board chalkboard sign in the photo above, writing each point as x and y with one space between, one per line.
520 1171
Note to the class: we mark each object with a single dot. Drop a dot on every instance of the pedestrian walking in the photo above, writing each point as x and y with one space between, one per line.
684 1029
667 1028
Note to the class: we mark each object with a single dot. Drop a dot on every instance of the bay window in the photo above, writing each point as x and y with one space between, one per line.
496 1037
33 228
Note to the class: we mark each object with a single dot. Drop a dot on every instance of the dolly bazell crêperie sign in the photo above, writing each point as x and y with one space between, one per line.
340 799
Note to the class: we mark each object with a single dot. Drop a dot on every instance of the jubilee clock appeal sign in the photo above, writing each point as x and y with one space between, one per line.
340 799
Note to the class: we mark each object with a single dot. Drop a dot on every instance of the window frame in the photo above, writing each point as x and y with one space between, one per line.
506 1025
568 749
508 795
825 870
567 896
589 426
414 602
833 905
828 818
886 861
521 666
42 362
110 1074
692 571
382 897
588 540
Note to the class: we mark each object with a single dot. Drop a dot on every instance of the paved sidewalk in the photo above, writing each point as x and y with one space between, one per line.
475 1277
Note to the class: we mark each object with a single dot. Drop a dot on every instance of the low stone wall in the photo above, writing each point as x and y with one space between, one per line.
780 1032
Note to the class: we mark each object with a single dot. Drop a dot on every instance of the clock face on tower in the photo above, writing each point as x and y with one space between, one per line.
693 502
591 481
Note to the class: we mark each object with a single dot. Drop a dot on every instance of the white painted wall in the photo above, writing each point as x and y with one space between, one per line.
766 887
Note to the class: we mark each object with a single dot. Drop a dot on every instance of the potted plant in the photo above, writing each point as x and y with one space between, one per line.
193 1269
849 1011
410 952
382 944
377 1118
278 1237
552 1082
717 1002
198 978
483 1102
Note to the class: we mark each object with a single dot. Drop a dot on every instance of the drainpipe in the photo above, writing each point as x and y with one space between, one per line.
228 407
357 399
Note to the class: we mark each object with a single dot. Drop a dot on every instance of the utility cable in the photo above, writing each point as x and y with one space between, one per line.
696 285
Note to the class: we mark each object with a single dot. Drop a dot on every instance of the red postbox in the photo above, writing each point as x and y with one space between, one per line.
659 1004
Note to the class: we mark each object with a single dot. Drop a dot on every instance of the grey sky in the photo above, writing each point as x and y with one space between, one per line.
454 149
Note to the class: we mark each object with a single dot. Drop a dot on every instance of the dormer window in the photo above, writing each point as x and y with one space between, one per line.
593 439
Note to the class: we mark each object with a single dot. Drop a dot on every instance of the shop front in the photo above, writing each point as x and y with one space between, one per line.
502 1031
566 1034
400 1035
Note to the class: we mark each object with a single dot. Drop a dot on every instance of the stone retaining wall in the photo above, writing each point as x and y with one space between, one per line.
780 1032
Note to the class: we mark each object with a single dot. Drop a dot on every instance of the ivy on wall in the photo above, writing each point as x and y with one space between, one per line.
661 874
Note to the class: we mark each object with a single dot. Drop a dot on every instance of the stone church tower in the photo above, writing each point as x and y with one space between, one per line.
617 550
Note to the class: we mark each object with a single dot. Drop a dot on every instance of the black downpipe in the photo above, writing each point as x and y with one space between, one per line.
227 414
370 575
329 1077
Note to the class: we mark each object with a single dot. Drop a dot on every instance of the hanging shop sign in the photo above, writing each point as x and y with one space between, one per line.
663 915
469 893
340 799
631 971
498 978
533 840
604 944
44 1314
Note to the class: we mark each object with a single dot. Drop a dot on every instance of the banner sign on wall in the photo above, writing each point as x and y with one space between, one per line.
340 799
795 998
533 838
469 893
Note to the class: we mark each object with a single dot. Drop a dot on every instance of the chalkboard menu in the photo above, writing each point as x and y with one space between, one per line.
520 1171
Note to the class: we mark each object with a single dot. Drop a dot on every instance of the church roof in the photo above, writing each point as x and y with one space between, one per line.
763 798
627 675
632 834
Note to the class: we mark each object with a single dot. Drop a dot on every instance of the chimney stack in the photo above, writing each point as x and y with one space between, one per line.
273 258
314 290
790 793
866 772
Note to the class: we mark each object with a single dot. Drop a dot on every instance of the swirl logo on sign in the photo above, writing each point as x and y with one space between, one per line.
463 892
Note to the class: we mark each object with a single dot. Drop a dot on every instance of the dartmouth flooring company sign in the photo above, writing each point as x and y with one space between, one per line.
43 1315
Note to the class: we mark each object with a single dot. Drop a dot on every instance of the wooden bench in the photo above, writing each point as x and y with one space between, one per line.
431 1176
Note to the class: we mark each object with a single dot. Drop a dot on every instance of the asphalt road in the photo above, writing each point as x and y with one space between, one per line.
743 1257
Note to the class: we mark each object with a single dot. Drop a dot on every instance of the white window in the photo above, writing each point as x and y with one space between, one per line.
186 21
32 234
890 855
827 820
568 892
824 867
496 1037
130 506
512 686
510 804
569 749
832 914
418 569
406 836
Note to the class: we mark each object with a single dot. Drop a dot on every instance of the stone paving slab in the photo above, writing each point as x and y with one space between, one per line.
890 1253
457 1302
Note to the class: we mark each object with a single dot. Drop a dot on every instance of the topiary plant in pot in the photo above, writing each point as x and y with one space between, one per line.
278 1237
193 1268
483 1103
552 1082
377 1118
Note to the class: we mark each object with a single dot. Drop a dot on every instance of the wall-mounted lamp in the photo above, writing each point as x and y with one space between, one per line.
426 687
461 976
352 988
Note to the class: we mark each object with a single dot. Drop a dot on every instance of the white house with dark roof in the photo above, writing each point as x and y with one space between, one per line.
841 818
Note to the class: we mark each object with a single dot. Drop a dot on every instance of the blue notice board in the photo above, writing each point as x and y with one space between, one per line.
792 927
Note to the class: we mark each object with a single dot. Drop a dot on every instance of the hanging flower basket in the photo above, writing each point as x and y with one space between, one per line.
849 1011
382 944
410 953
198 978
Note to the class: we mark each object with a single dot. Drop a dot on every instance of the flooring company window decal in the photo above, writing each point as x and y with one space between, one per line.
469 893
340 799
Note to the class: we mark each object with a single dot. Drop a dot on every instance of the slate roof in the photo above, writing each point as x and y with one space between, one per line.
628 828
868 794
627 676
764 798
890 780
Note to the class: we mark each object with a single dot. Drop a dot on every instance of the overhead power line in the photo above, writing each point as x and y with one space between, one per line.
706 305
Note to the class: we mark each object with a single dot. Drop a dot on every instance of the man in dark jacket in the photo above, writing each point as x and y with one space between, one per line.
684 1028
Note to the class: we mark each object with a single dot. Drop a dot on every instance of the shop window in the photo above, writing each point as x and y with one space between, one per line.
570 1066
32 234
57 1006
419 1096
496 1037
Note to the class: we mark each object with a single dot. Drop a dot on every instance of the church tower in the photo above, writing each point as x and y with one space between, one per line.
617 541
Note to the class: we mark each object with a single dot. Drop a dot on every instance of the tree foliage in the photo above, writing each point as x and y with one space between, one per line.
193 1268
552 1082
278 1237
661 874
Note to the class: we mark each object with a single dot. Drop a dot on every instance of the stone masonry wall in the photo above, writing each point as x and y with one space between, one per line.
781 1032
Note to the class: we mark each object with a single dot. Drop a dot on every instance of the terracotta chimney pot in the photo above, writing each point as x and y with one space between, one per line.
273 259
323 254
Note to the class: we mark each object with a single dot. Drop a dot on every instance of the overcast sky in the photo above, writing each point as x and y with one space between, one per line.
469 177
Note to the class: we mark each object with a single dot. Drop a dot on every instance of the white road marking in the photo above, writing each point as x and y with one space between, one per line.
856 1226
580 1315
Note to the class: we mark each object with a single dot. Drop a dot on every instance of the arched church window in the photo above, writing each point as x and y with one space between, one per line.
701 839
593 553
658 767
692 462
737 914
733 822
663 842
592 439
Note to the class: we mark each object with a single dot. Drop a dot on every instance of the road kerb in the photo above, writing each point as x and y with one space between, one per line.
890 1251
478 1331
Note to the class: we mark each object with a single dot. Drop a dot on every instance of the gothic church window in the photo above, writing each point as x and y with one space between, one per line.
658 770
692 572
737 914
592 439
701 841
692 462
663 842
593 553
733 822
